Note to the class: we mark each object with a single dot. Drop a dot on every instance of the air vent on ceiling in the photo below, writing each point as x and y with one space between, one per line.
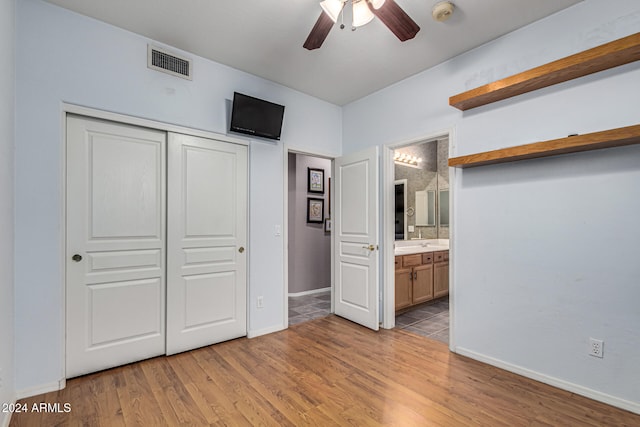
166 62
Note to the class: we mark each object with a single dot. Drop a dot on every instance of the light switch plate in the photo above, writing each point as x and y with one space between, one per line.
411 229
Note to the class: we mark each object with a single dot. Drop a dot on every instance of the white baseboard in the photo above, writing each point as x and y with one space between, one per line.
265 331
311 292
556 382
41 389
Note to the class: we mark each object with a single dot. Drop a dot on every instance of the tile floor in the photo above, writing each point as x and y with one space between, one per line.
429 320
309 307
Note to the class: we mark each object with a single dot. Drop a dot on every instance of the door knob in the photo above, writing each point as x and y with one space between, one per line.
241 249
77 257
370 247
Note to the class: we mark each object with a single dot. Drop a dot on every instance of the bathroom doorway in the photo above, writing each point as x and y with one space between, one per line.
420 248
309 275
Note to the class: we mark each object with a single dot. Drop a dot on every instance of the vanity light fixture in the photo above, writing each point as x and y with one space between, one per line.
406 160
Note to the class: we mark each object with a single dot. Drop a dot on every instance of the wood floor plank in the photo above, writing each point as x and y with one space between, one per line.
176 403
327 372
139 407
252 406
284 395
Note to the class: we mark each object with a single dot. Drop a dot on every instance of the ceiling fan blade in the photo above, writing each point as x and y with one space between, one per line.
396 20
319 32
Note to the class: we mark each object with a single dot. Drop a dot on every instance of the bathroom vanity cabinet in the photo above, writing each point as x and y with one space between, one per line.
441 274
421 277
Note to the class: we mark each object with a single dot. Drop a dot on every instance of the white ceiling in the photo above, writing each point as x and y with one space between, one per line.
265 37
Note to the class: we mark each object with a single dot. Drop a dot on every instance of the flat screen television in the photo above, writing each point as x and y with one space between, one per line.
253 116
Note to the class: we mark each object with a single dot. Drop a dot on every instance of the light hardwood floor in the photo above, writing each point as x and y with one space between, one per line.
324 372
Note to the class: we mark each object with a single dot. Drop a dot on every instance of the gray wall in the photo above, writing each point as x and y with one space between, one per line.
433 174
309 244
7 97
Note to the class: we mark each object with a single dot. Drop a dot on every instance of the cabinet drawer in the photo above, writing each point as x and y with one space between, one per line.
427 258
411 260
398 262
439 256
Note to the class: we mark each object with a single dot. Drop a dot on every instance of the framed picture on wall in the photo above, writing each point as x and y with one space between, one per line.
315 210
315 180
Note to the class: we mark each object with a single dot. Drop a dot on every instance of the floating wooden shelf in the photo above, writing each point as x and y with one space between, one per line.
609 55
572 144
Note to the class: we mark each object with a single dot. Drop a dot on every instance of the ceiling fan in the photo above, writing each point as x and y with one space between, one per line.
364 11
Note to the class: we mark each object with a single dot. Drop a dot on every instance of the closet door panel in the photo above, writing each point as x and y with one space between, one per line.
115 246
207 232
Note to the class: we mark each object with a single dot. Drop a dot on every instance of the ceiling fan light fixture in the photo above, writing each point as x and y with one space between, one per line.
388 12
361 13
332 8
377 4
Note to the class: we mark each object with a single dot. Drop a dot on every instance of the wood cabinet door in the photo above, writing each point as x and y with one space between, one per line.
403 288
441 279
422 283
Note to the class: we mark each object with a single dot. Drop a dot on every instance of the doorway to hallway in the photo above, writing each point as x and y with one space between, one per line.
308 237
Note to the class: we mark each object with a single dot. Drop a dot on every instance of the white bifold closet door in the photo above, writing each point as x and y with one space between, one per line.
207 233
115 292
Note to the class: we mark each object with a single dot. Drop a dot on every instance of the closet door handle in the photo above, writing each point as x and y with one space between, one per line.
77 257
241 249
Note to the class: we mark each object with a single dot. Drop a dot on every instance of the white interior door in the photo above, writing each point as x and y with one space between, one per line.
115 285
356 237
207 234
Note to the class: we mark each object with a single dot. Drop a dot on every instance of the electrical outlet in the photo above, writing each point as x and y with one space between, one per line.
260 302
596 348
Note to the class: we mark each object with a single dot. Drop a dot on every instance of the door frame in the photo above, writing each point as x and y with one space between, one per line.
288 149
403 181
65 110
388 227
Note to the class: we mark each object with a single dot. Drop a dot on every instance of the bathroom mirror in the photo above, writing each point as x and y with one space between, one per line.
425 208
425 191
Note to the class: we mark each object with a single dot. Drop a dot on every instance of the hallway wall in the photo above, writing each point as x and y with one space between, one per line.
309 244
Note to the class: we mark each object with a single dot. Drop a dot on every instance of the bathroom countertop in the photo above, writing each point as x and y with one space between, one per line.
409 247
